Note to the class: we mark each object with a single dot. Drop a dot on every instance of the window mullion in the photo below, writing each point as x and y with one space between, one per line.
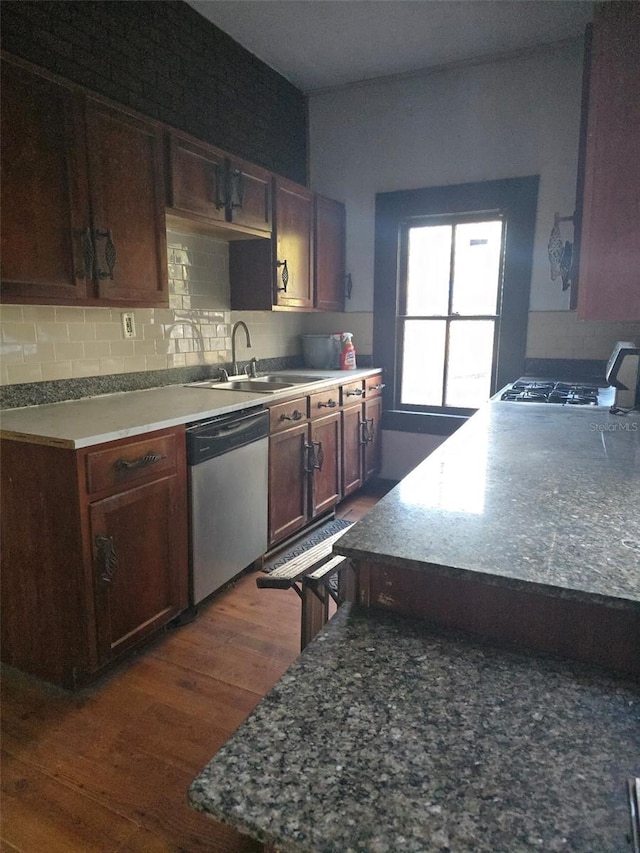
448 320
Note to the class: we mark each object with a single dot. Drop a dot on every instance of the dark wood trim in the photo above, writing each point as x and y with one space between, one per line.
517 199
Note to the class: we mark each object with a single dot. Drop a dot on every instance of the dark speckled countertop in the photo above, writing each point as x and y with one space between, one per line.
387 736
524 495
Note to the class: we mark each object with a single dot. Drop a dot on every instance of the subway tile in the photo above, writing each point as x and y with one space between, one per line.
97 349
135 365
156 362
111 365
57 370
69 351
18 333
11 353
82 332
39 352
151 332
108 331
52 331
11 314
144 347
177 360
24 373
176 271
70 315
39 313
97 315
122 349
85 367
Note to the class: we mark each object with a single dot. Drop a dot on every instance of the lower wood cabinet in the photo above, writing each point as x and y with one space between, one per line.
94 551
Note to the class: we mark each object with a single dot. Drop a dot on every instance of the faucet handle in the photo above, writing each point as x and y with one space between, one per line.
251 369
223 376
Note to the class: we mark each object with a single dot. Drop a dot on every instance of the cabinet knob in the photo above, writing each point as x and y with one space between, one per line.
294 416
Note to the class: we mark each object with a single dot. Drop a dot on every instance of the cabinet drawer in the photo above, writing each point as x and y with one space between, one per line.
352 393
373 386
287 414
126 463
324 402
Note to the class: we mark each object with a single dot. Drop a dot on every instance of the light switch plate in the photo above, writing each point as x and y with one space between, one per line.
128 324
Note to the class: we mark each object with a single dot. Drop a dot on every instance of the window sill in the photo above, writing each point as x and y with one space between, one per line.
431 423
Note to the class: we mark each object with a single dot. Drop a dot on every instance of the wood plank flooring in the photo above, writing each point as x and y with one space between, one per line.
107 769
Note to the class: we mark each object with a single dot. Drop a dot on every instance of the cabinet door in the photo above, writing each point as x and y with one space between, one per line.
249 201
198 182
352 444
293 273
288 482
45 206
609 277
325 459
127 195
373 437
139 540
329 251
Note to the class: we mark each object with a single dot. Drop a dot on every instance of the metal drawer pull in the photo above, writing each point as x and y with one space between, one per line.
357 393
295 416
109 253
377 387
107 557
237 189
284 275
330 404
144 461
364 435
318 455
370 430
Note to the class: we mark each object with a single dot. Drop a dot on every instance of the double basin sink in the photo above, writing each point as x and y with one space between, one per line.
270 383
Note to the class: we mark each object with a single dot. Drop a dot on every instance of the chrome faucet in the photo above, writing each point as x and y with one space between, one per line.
251 369
236 326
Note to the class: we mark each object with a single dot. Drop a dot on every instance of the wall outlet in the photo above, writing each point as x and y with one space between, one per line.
128 324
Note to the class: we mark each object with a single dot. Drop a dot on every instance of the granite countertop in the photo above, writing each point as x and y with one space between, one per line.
387 736
95 420
521 495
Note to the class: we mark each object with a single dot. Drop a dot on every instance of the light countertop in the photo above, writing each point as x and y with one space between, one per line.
95 420
386 735
520 495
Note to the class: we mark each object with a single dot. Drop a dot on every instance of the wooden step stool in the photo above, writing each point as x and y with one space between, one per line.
309 574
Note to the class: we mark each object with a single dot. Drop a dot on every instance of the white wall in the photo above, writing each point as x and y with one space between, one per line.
498 120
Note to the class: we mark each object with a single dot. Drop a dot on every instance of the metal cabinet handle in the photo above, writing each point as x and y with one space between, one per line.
107 557
284 275
143 462
364 437
330 404
109 252
378 387
236 194
219 186
310 457
294 416
88 254
357 393
370 430
318 455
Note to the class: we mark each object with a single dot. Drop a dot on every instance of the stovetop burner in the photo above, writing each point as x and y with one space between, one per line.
564 393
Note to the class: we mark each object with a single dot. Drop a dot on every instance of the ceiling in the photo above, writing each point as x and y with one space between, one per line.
319 44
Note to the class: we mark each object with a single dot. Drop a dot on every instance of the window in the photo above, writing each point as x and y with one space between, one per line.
449 312
451 298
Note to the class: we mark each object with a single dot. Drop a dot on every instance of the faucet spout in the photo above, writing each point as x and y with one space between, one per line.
236 326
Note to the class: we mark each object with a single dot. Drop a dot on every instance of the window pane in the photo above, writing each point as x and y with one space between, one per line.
470 360
477 267
423 362
428 270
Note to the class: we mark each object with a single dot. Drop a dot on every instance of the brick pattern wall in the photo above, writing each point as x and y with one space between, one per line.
168 62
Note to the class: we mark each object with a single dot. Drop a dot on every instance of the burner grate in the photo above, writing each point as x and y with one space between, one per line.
560 393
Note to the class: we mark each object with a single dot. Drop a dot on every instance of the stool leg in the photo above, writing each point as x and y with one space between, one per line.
347 583
315 612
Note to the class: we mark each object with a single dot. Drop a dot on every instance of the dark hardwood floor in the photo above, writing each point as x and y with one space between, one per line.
107 769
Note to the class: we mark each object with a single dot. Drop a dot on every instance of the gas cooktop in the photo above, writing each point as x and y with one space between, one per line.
562 393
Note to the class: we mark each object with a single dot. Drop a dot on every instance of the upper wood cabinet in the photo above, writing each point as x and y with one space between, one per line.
82 198
329 254
294 245
277 273
609 272
224 192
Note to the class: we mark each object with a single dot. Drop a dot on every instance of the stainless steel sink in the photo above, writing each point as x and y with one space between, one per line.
271 383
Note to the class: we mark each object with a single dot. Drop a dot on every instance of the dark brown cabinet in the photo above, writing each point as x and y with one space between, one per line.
372 437
82 198
94 551
609 239
288 482
325 438
225 192
329 254
277 273
361 432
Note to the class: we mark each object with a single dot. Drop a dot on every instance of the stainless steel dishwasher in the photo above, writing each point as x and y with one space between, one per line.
228 473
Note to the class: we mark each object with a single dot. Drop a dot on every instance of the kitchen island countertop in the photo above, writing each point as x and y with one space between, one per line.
528 496
387 735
